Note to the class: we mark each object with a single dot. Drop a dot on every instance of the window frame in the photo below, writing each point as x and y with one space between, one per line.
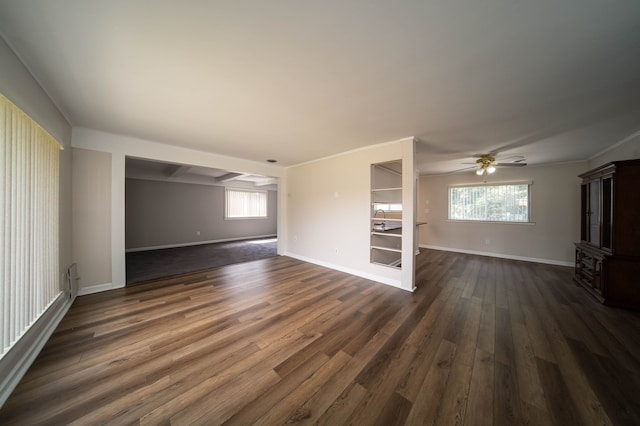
528 221
227 190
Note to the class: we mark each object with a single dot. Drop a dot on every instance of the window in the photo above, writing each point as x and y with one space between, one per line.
245 204
388 207
28 223
493 203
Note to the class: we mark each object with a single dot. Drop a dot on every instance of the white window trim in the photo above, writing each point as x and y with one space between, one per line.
490 222
507 182
529 183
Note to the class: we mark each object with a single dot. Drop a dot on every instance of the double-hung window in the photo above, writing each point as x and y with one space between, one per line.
245 204
504 202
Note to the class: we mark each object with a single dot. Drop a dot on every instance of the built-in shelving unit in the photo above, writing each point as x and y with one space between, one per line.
386 214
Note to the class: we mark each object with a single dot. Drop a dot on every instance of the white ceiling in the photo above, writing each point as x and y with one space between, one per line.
552 80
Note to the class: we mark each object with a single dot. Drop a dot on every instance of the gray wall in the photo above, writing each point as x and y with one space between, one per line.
169 213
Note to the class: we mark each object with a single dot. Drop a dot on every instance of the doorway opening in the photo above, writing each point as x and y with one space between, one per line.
177 220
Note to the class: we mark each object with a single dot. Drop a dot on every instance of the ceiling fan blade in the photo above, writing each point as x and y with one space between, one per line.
486 154
510 164
513 158
463 169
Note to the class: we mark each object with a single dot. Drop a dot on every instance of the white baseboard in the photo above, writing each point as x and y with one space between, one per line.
500 255
361 274
15 363
198 243
82 291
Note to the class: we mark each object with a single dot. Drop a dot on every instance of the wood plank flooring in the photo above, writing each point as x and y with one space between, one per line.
481 341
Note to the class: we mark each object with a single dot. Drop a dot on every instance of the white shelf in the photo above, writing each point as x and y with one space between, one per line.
387 249
386 234
385 189
394 264
386 257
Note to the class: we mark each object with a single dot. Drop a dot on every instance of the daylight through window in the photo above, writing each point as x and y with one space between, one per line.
243 204
388 207
492 203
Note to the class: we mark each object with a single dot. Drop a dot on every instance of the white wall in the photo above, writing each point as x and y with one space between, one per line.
555 202
328 212
92 218
121 146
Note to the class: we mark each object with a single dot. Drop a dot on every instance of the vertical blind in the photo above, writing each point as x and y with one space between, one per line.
498 203
29 161
245 203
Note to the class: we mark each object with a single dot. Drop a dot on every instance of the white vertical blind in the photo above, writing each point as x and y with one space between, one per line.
245 203
496 203
29 161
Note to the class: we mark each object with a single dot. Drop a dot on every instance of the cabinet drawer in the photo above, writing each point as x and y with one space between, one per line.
589 271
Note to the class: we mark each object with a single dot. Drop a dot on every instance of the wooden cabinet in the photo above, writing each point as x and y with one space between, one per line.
608 254
386 214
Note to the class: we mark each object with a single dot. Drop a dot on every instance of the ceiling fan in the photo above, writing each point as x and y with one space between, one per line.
486 164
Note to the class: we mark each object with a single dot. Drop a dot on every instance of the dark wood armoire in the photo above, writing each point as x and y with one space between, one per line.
608 254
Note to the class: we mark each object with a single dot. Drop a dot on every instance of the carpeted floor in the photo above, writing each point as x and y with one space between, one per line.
153 264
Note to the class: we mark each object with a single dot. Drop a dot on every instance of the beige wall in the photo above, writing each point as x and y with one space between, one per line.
555 201
92 218
629 149
328 212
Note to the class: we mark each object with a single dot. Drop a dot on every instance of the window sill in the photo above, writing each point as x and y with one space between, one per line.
490 222
246 218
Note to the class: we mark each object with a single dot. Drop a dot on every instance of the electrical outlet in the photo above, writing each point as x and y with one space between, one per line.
197 232
487 241
337 251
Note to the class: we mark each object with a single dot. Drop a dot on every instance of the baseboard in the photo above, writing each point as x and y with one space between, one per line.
372 277
83 291
500 255
199 243
15 363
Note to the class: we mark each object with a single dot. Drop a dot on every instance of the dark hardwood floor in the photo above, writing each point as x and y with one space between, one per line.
481 341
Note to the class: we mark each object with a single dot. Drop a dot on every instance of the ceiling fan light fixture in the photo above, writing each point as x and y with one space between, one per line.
486 164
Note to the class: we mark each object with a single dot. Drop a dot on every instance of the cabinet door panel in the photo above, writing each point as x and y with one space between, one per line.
584 210
594 212
607 225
